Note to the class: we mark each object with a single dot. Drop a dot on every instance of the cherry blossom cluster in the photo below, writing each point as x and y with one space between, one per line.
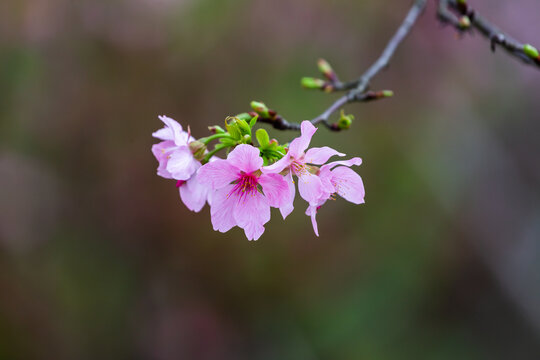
241 188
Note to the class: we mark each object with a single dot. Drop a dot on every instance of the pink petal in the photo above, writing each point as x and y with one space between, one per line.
310 187
182 164
218 173
251 212
319 156
348 185
246 158
163 134
326 179
275 189
278 166
350 162
161 151
194 194
301 143
222 208
312 212
288 207
178 135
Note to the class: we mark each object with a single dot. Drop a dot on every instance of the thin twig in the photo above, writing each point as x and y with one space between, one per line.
448 12
357 88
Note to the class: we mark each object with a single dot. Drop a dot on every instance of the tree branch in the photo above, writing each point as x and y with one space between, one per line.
456 13
463 18
357 89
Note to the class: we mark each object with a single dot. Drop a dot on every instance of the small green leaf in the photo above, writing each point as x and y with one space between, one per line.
253 121
262 138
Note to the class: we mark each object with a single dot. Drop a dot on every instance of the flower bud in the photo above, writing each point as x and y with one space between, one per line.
260 108
344 121
531 51
216 129
326 70
244 116
198 149
464 22
312 83
387 93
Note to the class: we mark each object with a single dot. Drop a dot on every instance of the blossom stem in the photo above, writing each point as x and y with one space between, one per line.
451 11
210 138
217 148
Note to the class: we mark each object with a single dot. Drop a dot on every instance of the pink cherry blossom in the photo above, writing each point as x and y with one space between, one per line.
193 193
296 161
342 181
242 195
173 154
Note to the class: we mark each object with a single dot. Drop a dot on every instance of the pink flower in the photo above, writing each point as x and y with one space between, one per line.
342 181
297 160
243 196
173 154
193 193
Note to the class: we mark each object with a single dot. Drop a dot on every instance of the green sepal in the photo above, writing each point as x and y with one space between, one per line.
253 121
244 126
233 128
228 141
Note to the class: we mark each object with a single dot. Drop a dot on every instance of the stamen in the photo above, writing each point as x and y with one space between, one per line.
246 185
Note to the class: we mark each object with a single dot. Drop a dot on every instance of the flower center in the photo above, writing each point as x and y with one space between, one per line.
299 168
246 185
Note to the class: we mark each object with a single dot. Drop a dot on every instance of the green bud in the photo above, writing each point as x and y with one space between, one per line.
462 2
326 69
387 93
244 116
216 129
198 149
246 139
531 51
262 138
345 121
260 108
312 83
464 22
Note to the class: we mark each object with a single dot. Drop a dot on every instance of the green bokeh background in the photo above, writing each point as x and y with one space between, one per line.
100 260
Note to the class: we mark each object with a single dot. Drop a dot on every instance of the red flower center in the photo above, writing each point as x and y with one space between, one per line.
246 185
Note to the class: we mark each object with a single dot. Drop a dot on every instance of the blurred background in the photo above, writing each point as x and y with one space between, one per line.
99 259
